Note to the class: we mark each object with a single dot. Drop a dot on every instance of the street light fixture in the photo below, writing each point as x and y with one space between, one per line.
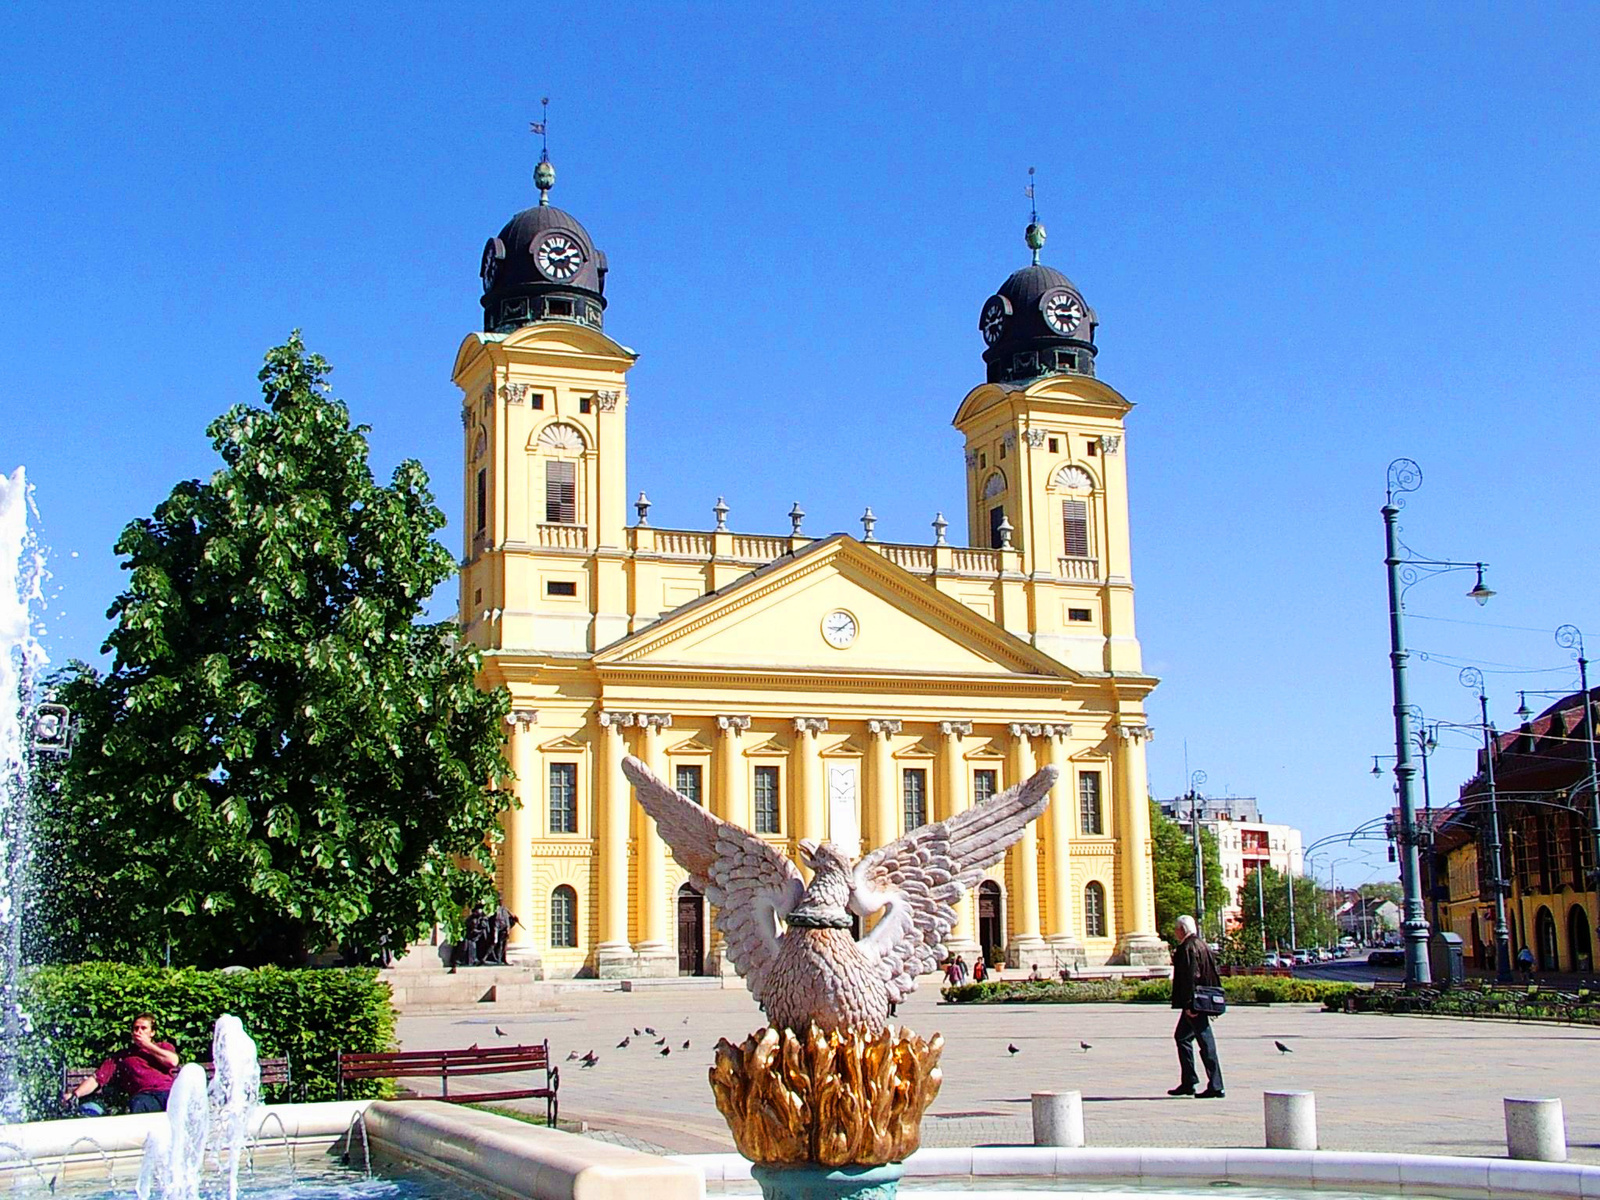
1195 780
1570 637
1405 476
1471 677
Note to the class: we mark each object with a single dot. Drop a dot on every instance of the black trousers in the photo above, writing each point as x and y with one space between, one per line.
1189 1031
149 1102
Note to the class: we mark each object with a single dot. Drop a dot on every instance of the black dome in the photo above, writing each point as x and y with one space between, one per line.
520 289
1026 344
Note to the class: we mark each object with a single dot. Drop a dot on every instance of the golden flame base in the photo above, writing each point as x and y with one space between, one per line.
828 1097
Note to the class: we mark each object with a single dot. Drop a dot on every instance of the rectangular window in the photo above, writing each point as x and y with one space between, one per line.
560 492
983 461
560 587
766 799
1002 453
584 404
1079 614
1089 822
997 516
1075 528
483 500
563 797
558 308
914 797
1055 445
689 783
1094 447
983 785
536 400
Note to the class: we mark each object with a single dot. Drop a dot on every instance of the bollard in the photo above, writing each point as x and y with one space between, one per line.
1536 1129
1291 1120
1058 1118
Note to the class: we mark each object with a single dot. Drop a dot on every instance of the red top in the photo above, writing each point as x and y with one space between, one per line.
135 1073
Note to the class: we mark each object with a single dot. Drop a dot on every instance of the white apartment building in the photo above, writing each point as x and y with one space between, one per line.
1244 841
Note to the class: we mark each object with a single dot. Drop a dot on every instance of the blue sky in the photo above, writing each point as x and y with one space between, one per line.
1315 243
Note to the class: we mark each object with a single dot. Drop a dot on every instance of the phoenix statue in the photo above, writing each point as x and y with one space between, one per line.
793 942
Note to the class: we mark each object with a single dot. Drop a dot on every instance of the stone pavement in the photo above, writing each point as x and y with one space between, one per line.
1412 1084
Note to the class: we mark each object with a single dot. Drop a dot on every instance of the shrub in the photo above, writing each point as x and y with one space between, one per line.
80 1014
1239 989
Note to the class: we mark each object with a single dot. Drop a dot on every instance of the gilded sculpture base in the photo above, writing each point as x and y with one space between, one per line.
826 1098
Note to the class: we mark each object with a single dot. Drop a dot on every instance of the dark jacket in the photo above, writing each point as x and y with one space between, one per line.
1192 965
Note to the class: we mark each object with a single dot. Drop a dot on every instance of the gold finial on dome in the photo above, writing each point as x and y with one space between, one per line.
544 175
1034 235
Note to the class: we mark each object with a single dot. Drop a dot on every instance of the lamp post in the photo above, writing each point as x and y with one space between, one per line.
1405 476
1570 637
1195 780
1471 677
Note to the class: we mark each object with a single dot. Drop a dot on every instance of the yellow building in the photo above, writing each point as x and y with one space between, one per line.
838 687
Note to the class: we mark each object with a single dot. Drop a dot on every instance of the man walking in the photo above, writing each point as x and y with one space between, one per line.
1193 966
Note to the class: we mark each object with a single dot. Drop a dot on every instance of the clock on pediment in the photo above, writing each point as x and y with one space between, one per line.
839 629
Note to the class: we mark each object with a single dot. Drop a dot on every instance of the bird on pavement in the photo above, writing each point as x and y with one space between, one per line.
590 1059
1085 1047
498 1032
1013 1047
572 1056
794 942
623 1044
1282 1049
474 1046
686 1043
650 1031
666 1050
636 1032
686 1020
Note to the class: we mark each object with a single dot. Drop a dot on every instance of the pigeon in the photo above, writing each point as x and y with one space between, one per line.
498 1032
1013 1047
1085 1047
572 1056
686 1020
661 1041
636 1031
623 1044
474 1046
650 1031
666 1050
1282 1049
590 1059
686 1044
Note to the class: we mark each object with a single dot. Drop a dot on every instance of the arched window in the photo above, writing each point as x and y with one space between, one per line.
563 917
1094 911
1079 486
561 446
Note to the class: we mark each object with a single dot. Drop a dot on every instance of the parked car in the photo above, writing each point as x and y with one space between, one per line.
1387 958
1302 957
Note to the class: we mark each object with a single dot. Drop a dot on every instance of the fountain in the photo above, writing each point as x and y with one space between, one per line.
235 1090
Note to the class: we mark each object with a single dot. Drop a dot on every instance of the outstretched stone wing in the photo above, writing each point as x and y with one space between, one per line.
749 881
921 876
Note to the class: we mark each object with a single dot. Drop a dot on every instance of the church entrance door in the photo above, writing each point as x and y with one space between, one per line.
991 932
691 931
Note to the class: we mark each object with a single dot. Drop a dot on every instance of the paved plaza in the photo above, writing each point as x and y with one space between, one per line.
1423 1085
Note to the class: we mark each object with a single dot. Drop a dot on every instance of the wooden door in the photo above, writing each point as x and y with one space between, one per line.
691 932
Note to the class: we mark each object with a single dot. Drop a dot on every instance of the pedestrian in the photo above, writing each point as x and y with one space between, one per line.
961 969
952 973
502 921
1525 963
978 969
143 1073
1193 968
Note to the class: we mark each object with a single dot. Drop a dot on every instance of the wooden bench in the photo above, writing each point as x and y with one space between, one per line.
274 1073
445 1065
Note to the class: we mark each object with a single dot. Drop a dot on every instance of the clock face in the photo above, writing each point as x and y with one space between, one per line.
1062 311
992 320
839 629
559 257
493 251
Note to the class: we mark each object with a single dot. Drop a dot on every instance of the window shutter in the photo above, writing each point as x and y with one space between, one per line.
1075 527
560 493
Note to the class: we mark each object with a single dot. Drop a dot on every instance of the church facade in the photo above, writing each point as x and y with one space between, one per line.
836 687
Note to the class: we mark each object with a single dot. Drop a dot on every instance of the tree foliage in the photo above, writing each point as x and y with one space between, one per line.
283 756
1314 923
1173 862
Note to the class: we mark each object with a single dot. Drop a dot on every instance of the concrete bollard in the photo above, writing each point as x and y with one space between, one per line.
1536 1129
1058 1118
1291 1120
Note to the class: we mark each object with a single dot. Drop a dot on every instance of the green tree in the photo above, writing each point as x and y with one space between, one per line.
1172 854
284 755
1380 891
1313 920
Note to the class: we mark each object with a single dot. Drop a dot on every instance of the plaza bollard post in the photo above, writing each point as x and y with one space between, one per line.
1536 1129
1058 1119
1291 1120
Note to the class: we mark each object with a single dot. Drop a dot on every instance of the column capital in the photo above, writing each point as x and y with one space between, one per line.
811 725
522 718
614 720
656 721
733 724
1056 732
1134 733
1025 729
955 729
885 727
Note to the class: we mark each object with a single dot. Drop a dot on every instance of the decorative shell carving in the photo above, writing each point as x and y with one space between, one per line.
561 436
1073 479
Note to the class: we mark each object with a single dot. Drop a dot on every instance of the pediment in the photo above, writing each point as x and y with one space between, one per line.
842 749
771 621
915 750
692 746
986 751
562 743
771 748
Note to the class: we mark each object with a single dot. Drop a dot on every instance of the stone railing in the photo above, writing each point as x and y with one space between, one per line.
1072 567
565 537
918 559
976 561
684 543
757 548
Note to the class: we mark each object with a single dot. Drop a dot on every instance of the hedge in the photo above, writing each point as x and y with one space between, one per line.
1240 989
77 1015
1506 1004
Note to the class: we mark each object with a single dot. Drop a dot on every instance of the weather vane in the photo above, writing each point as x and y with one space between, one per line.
540 127
1028 192
1034 234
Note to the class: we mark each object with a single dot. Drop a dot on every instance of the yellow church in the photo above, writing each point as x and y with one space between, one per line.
837 687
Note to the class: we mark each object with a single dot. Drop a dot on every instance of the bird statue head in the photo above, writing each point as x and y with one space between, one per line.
827 898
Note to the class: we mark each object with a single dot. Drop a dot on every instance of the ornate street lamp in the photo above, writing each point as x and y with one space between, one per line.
1471 677
1195 780
1405 476
1570 637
